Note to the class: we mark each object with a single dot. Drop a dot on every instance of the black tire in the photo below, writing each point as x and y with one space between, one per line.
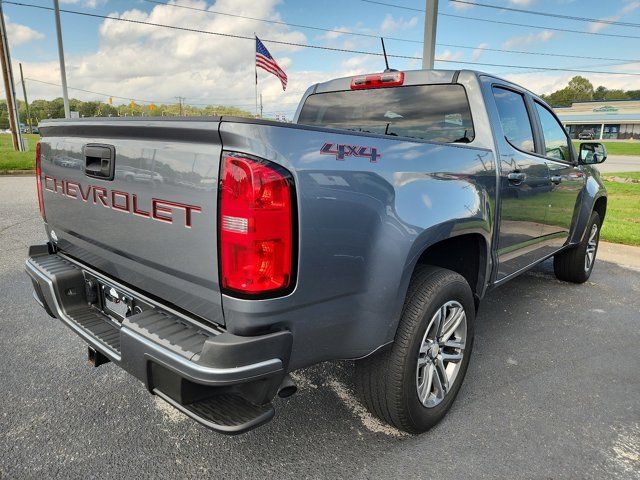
570 265
387 382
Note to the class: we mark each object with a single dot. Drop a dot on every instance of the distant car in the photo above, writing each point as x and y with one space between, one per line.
67 162
586 135
131 174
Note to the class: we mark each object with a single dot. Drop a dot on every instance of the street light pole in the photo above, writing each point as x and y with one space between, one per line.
9 87
26 101
63 72
430 27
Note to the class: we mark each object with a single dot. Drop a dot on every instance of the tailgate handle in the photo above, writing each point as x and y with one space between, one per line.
100 160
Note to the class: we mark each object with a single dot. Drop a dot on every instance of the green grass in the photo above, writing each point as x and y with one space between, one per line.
12 160
622 223
616 148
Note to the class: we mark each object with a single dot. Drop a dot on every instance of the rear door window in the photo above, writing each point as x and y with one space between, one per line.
437 113
514 119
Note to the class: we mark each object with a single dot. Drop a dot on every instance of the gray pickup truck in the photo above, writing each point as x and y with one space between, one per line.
242 250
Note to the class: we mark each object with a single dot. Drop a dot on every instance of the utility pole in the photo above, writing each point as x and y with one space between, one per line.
9 87
63 71
26 102
430 27
180 100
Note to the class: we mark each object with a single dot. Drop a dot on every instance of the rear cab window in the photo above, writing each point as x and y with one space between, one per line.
435 113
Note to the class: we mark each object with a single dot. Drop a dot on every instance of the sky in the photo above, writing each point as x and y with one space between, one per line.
151 64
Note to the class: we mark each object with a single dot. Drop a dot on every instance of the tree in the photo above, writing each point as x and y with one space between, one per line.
600 93
616 94
582 88
561 98
44 109
4 115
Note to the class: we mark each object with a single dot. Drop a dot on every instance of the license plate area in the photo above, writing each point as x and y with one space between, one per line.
115 303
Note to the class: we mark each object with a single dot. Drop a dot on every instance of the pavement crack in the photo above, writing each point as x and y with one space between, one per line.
3 229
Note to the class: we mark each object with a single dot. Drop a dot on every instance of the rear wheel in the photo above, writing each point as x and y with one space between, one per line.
414 383
576 264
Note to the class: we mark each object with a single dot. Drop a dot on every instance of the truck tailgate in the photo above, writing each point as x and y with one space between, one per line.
137 199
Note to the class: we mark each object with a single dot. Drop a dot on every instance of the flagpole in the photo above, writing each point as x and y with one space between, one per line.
255 64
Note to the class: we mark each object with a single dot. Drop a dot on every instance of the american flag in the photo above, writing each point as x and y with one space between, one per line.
265 61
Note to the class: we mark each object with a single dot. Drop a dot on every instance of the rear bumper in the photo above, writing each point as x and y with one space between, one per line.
223 381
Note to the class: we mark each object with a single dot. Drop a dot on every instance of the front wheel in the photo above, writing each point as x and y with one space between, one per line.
414 383
576 264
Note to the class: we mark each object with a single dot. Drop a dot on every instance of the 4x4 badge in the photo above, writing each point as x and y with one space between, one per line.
341 151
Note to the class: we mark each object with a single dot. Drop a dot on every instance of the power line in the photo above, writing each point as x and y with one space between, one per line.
279 22
564 30
548 14
523 52
319 47
158 102
367 35
280 101
100 93
403 7
550 69
502 22
538 69
195 30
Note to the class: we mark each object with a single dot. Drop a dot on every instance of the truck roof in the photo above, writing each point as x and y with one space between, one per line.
412 77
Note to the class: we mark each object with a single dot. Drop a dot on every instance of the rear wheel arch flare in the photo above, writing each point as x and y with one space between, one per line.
600 206
464 254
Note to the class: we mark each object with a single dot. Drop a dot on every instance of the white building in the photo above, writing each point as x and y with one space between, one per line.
610 120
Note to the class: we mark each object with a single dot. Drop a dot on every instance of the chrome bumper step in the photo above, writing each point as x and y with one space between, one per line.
223 381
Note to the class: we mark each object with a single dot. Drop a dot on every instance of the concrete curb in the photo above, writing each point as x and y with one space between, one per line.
12 173
624 255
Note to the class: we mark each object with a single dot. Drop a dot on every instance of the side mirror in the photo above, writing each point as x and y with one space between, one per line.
592 153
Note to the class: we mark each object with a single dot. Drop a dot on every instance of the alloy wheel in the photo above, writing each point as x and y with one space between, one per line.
441 353
592 245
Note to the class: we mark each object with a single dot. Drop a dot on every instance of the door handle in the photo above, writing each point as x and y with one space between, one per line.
100 161
556 179
516 178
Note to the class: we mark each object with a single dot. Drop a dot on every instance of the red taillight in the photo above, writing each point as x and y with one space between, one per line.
255 226
377 80
39 179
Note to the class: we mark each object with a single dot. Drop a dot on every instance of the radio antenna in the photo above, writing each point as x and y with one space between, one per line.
386 60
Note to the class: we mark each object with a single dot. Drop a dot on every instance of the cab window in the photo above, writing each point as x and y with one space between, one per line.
436 113
514 119
556 142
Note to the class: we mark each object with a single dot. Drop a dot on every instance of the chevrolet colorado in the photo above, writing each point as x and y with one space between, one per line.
211 257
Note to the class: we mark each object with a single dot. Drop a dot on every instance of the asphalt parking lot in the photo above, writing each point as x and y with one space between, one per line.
553 391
